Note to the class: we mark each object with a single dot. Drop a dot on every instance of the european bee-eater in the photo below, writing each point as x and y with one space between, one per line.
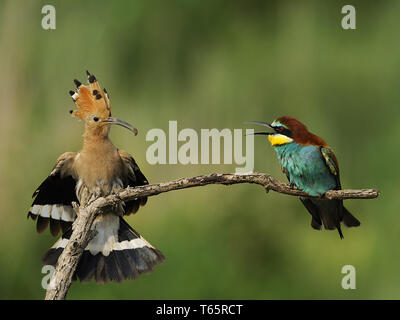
117 252
310 165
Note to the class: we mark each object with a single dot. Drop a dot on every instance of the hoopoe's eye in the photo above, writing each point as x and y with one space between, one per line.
95 119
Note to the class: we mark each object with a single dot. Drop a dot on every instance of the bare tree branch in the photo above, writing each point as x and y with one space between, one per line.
68 261
82 233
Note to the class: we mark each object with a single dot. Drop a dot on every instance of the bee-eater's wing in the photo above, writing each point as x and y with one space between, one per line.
330 159
132 177
331 163
54 196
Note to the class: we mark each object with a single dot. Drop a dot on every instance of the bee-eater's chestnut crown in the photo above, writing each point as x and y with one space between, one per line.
294 129
288 129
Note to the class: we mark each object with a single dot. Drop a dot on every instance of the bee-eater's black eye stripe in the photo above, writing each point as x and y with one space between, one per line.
284 131
287 133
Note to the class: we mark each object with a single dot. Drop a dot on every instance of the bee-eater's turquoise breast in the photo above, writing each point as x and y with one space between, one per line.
306 168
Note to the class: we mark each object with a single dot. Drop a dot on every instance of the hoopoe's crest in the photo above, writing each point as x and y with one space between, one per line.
94 107
92 101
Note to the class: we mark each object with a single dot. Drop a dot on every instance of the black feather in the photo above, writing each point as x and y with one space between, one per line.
87 266
56 190
112 268
349 220
55 227
64 226
328 213
123 264
137 179
41 224
99 274
51 256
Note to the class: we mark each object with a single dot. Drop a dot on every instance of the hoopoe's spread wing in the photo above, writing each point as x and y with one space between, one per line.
54 197
133 177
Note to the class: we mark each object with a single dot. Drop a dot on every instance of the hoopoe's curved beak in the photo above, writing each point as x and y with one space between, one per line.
261 132
121 123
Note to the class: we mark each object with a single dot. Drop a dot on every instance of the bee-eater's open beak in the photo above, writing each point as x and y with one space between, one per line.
264 133
261 123
261 132
121 123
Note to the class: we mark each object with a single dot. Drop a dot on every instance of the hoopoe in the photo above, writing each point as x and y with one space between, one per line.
117 252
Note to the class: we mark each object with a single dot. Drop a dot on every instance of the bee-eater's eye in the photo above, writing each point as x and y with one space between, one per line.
95 119
279 129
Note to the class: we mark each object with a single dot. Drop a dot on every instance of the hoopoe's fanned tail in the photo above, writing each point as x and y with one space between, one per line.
116 253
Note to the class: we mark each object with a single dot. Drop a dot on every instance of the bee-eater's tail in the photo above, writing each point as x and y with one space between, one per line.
349 220
330 214
116 253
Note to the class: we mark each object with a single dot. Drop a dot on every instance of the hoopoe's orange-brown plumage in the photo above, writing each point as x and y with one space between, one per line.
91 100
117 252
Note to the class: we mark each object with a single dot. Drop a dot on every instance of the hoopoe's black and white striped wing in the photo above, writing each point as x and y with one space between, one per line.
133 177
53 198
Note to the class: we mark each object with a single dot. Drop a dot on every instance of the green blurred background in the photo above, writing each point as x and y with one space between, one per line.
210 64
